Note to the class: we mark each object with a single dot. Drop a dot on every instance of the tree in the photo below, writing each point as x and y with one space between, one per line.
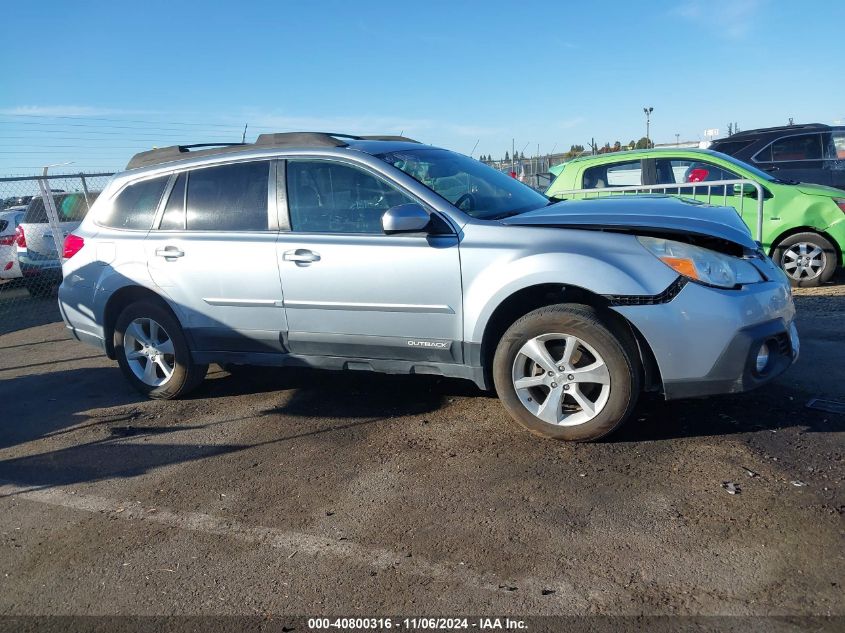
522 156
507 156
730 129
632 143
617 146
574 150
644 143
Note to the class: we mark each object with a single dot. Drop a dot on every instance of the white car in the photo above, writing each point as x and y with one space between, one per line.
9 220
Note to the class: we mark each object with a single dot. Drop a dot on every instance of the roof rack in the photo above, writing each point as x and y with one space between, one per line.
781 128
278 139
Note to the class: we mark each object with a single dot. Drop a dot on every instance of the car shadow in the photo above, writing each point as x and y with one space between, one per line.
343 394
772 407
19 311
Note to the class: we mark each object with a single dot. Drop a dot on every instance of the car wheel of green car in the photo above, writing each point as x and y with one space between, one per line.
808 259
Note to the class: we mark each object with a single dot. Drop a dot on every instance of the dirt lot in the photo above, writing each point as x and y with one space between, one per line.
344 494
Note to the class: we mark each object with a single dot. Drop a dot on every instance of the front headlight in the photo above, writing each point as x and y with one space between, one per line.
702 265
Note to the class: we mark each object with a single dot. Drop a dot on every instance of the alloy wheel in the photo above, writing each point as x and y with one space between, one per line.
803 261
149 352
561 379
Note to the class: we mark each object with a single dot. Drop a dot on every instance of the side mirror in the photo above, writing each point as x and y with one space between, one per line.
745 189
405 218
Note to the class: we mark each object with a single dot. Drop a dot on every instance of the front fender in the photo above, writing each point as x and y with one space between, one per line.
602 263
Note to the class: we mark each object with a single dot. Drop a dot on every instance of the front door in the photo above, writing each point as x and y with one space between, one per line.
352 291
213 253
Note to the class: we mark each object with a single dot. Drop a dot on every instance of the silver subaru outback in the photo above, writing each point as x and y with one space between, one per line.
384 254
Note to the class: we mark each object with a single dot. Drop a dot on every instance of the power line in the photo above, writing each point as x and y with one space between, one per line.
92 118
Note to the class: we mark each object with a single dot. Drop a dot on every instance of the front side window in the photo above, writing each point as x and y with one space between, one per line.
790 148
228 197
619 175
473 187
135 206
329 197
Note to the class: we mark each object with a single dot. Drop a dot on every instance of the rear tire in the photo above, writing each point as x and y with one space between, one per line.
153 353
586 382
808 259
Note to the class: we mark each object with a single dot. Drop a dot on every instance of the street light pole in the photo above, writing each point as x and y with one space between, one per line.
647 110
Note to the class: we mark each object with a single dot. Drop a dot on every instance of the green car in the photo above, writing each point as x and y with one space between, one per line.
803 224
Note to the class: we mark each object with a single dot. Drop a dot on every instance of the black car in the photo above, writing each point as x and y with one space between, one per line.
806 153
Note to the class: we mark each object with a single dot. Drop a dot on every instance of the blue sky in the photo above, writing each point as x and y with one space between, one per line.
95 82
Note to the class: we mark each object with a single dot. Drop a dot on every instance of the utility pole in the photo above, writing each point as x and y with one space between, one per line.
647 110
677 140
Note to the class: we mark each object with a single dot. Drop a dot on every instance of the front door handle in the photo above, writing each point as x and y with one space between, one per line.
169 252
301 256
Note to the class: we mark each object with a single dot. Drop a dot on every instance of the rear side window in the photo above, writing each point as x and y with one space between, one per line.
228 198
620 175
174 213
135 206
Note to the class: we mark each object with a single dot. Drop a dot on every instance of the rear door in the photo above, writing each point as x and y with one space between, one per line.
352 291
213 253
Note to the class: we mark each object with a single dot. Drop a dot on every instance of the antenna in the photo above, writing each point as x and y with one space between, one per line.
243 136
474 146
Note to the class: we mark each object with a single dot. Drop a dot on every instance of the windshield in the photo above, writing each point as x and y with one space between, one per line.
472 186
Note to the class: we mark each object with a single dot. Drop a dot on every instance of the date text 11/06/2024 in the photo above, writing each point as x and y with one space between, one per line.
376 624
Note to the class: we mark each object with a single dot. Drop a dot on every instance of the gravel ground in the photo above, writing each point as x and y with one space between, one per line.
347 494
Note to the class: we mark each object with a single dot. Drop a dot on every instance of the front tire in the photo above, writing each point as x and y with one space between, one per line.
808 259
152 352
563 372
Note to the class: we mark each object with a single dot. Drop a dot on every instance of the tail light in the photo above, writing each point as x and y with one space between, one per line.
73 244
20 238
697 174
840 202
8 240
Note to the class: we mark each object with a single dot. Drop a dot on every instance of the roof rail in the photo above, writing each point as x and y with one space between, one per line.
303 139
278 139
171 152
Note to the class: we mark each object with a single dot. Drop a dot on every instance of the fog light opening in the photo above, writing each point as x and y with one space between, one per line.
762 358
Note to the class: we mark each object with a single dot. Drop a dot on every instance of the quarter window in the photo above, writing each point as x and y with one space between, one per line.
327 197
228 198
135 206
620 175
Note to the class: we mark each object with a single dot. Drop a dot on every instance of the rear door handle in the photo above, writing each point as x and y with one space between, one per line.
169 252
301 256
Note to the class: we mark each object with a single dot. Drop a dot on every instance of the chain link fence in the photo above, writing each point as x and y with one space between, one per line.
36 215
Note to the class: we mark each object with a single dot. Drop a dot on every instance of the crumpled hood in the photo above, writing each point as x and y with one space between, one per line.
664 213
